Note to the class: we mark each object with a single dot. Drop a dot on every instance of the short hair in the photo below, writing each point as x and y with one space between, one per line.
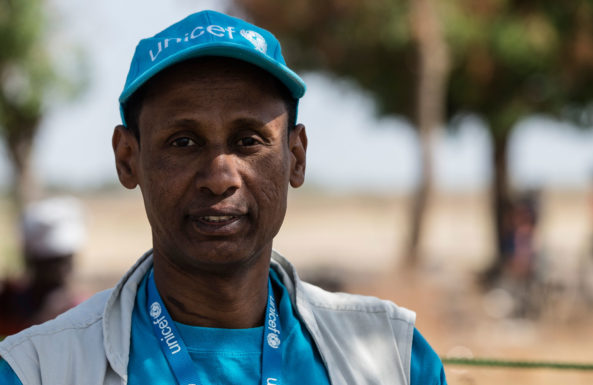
133 106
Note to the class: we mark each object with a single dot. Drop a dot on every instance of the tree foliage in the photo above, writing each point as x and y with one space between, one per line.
365 41
509 58
516 58
28 80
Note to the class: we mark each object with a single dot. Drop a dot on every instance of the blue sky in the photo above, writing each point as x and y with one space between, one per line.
351 149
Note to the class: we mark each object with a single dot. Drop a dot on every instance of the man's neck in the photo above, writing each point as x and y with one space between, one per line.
231 301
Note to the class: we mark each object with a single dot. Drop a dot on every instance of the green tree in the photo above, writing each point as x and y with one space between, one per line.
503 60
27 80
514 59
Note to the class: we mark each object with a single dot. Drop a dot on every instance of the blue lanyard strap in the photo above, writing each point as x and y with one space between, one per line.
271 351
177 355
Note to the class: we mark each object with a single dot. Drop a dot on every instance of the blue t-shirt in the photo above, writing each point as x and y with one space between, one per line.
232 356
225 356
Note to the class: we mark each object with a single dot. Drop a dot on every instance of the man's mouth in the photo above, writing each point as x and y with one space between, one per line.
217 218
218 224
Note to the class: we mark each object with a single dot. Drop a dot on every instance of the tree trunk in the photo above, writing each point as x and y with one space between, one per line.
501 202
432 78
20 146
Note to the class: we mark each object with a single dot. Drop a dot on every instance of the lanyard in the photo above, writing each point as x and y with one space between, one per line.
178 357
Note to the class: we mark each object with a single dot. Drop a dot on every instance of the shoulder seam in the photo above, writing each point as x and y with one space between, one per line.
363 310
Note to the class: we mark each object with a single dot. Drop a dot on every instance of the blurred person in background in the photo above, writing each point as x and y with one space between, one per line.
210 137
524 257
522 263
52 233
519 274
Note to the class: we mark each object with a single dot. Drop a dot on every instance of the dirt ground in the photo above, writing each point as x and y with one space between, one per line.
357 243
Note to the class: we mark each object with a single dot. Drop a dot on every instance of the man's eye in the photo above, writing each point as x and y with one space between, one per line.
183 142
248 141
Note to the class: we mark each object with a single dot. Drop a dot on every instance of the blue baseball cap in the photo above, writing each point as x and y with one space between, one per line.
208 33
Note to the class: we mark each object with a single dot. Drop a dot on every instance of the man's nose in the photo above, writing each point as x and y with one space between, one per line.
219 175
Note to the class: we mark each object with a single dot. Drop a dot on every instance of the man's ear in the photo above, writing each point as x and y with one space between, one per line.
126 151
297 144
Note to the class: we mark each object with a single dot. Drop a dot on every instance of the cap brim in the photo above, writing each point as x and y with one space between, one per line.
236 51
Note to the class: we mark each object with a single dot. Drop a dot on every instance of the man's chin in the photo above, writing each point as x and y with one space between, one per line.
212 258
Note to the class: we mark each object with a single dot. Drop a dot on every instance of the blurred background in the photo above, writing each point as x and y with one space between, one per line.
450 162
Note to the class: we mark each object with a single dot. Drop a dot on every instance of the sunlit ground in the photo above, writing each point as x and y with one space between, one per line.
357 242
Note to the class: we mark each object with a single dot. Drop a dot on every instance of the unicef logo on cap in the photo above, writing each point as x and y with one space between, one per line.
256 39
273 340
155 310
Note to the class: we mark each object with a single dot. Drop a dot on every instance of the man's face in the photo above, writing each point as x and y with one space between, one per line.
213 163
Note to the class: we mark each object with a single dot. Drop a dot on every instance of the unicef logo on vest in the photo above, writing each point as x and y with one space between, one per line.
155 310
273 340
256 39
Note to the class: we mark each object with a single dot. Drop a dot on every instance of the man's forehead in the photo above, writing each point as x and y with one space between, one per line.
186 90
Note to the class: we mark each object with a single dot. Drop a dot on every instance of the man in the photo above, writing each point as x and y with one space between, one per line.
52 233
209 136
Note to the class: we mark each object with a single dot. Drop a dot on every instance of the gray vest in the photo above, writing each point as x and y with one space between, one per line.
362 340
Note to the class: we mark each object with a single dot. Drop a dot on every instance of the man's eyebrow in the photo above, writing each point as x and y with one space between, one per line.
255 122
248 123
183 122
